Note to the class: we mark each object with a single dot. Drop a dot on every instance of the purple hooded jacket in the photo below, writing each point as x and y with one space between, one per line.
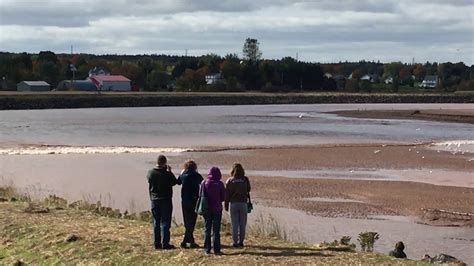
214 189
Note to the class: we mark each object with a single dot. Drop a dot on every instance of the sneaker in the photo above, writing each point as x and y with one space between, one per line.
218 253
158 246
207 252
183 245
168 246
235 245
241 245
194 245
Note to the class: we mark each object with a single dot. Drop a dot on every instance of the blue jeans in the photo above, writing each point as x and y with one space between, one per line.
238 218
161 211
212 220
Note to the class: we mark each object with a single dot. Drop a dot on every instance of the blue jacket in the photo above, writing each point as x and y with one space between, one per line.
190 181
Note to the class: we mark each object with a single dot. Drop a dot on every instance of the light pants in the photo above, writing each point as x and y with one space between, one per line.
238 218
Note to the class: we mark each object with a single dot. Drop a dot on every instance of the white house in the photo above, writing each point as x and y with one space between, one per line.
111 82
430 81
213 78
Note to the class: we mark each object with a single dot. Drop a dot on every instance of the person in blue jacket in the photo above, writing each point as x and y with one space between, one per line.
190 180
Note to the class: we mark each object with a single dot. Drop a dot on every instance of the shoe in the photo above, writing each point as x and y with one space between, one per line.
183 245
158 247
207 252
194 245
218 253
168 246
235 245
241 245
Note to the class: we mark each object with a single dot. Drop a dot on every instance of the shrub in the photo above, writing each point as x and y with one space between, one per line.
367 240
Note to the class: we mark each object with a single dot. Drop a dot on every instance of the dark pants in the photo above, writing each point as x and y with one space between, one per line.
212 220
189 217
161 211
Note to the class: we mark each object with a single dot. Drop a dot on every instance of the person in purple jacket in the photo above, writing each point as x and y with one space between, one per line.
214 189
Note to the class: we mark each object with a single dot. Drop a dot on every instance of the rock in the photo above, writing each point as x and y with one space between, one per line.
13 199
33 208
3 199
18 263
71 238
442 259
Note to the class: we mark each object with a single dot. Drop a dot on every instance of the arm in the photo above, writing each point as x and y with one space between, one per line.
222 192
226 202
179 181
248 184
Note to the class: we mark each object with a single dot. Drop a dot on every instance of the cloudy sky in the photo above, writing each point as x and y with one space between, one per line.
319 30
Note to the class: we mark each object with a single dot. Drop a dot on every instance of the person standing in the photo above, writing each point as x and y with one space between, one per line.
214 190
190 180
160 185
237 195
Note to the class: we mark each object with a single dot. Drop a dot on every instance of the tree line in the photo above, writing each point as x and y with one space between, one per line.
247 73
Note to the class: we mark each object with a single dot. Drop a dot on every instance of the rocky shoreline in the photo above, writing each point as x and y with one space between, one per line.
55 100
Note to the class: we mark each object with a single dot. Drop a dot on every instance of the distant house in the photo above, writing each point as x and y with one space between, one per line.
111 82
389 80
213 78
77 85
430 81
373 78
33 86
339 77
96 71
328 75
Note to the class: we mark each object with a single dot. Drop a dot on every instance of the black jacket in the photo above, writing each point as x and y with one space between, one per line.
160 183
190 189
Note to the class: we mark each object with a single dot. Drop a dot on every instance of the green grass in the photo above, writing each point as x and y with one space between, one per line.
40 239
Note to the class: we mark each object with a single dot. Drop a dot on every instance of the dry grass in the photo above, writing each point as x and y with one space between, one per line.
40 238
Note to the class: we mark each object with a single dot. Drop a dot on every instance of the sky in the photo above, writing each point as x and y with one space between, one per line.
318 31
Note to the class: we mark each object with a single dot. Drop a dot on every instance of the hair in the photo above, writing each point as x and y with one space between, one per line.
162 160
400 246
237 171
190 165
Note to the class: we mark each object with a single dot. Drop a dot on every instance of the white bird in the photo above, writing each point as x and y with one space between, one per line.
300 116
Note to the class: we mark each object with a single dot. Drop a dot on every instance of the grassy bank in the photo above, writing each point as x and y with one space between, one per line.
47 233
55 100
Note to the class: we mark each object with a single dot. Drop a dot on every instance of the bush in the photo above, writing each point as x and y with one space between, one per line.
367 240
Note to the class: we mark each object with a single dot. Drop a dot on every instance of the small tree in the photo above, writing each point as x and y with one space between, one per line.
367 240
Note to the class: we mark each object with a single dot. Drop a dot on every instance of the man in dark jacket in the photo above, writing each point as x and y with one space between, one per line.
190 180
160 184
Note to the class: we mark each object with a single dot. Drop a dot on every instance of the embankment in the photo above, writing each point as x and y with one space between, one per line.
58 100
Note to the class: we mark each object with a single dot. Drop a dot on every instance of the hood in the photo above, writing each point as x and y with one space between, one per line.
214 174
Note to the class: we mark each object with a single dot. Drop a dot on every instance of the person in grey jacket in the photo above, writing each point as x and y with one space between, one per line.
237 196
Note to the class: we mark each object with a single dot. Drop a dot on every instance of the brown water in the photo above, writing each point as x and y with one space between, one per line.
118 179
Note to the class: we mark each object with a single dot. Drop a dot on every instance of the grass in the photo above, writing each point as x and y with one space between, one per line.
41 238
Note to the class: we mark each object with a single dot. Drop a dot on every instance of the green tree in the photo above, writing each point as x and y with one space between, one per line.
252 51
49 72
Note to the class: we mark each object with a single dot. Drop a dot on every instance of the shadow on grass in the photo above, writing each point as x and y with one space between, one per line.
272 251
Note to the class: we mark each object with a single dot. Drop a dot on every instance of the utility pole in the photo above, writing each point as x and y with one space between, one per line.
186 53
296 56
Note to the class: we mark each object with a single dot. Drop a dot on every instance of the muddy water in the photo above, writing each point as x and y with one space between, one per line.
118 178
119 181
419 239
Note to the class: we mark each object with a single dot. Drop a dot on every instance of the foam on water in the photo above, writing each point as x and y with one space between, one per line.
51 149
456 146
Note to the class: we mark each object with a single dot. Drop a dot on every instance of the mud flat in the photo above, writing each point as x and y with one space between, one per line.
456 116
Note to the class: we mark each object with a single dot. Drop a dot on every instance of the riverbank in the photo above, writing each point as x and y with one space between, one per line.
456 116
35 233
60 100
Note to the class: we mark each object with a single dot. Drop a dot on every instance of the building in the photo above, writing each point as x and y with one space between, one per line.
77 85
33 86
374 78
111 82
389 80
430 81
96 71
213 78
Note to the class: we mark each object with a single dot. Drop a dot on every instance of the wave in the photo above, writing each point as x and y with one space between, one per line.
59 149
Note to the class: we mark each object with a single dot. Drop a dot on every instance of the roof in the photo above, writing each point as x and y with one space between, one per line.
431 78
102 78
35 83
